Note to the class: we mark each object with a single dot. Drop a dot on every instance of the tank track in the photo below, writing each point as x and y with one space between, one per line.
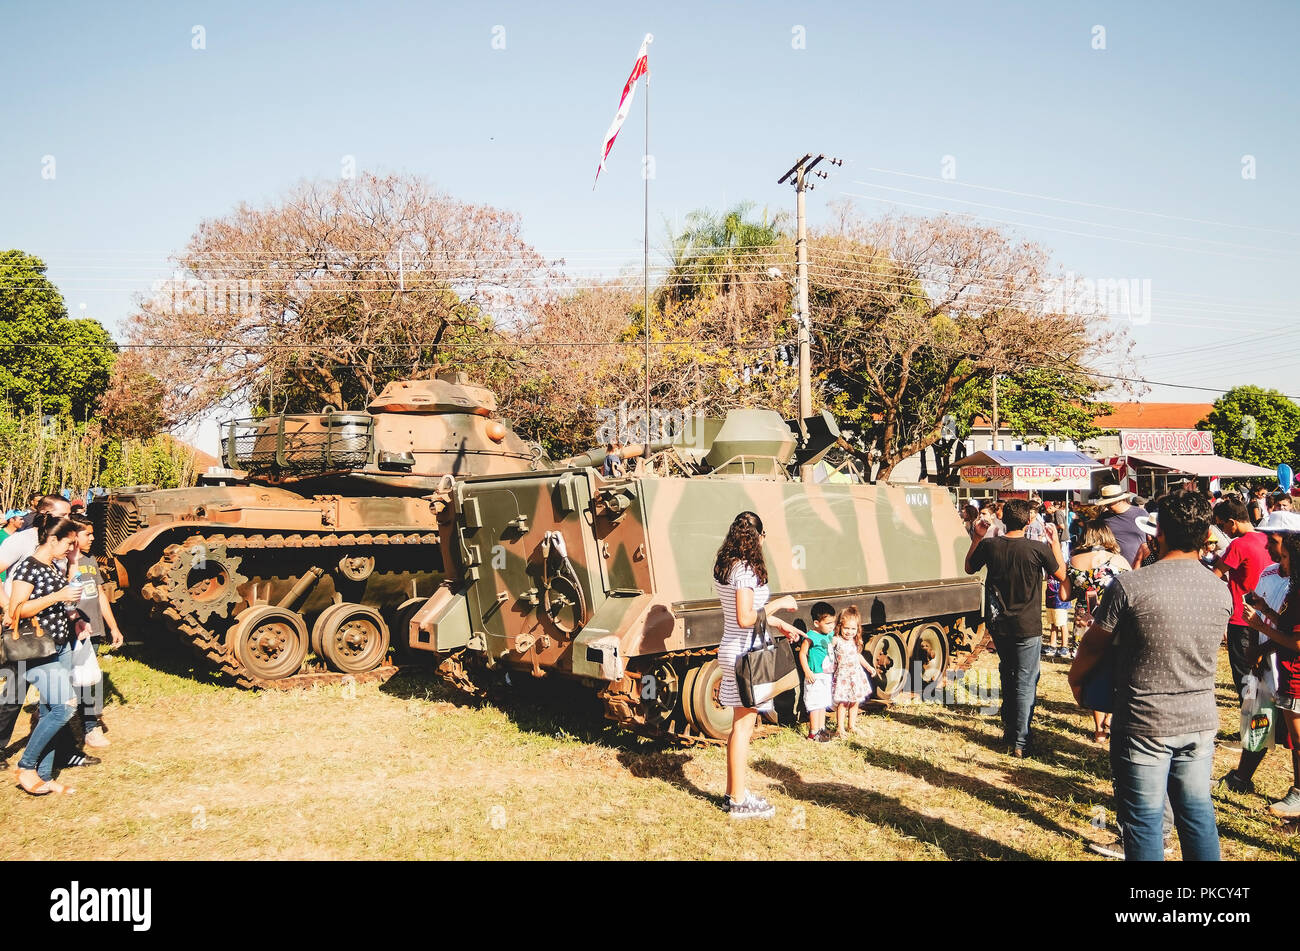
210 642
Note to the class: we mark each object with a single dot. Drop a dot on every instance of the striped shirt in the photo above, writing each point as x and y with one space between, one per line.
734 637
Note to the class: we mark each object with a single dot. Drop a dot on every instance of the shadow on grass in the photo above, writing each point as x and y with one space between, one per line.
1285 845
955 842
668 766
1044 737
1007 800
163 651
550 706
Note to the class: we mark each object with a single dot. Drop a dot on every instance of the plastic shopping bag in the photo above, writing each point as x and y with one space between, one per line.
85 665
1258 716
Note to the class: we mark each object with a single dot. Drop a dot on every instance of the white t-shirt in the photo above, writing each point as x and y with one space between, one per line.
14 549
1272 587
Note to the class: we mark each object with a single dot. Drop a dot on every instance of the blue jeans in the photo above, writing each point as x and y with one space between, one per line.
1018 668
53 681
1149 768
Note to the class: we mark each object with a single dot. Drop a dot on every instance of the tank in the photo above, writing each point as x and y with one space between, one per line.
563 574
314 537
426 515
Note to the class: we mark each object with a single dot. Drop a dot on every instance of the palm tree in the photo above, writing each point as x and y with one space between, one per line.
715 251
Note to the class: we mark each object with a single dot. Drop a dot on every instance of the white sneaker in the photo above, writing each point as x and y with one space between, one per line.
751 807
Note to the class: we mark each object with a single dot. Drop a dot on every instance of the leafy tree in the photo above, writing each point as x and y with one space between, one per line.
1255 425
912 316
47 360
40 454
330 293
1043 402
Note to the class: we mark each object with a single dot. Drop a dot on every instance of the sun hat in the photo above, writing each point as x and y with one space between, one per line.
1109 495
1280 523
1148 523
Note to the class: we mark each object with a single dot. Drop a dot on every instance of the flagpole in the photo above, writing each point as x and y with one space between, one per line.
645 256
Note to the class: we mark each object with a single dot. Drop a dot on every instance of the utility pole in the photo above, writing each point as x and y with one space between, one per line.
993 446
798 176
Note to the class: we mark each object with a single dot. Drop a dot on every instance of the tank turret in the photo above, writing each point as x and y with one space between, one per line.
411 434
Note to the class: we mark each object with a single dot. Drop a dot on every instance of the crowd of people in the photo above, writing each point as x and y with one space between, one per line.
1141 598
51 581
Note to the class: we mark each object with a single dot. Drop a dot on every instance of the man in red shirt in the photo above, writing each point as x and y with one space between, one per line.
1240 565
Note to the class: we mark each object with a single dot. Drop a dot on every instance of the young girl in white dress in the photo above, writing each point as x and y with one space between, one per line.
850 684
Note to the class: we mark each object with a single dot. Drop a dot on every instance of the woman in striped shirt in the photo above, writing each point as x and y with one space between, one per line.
740 579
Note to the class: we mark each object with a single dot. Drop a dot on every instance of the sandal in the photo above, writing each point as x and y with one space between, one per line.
1098 736
42 787
59 789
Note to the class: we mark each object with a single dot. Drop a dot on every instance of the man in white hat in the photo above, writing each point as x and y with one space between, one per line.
1121 518
1265 603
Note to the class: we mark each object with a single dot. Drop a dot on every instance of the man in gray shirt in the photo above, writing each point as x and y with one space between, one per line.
1160 628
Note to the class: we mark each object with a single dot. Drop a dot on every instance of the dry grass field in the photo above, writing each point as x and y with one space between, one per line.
409 770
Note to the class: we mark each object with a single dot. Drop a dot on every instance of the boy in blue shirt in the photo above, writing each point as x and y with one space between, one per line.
814 660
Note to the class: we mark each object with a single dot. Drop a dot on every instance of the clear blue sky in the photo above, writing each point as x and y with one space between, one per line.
150 136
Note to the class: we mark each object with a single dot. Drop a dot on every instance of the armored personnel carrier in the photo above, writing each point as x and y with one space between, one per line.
317 533
561 573
427 516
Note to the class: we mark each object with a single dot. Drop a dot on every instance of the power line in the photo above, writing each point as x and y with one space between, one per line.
1080 221
1085 204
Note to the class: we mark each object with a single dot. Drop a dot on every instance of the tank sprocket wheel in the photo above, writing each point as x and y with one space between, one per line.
202 577
452 670
270 643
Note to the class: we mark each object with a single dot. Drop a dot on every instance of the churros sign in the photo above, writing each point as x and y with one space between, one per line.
1173 442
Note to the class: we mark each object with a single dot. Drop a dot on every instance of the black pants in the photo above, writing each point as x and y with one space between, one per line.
12 693
1241 641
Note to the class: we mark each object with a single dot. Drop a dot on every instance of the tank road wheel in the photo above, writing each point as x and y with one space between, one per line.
686 690
706 713
323 621
400 636
352 638
270 642
895 678
927 648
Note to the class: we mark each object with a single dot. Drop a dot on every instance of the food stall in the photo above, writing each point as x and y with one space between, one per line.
1153 462
1017 474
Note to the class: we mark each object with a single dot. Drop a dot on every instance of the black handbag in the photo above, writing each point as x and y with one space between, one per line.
23 641
766 668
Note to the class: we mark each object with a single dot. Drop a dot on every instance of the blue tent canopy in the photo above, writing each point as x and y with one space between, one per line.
1028 457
